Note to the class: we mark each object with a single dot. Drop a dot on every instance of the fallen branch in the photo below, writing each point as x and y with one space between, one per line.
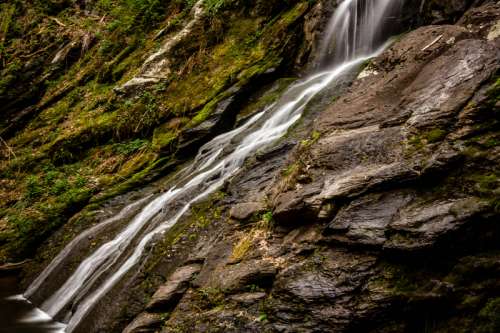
14 266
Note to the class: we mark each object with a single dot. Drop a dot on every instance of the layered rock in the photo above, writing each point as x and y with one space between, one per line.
385 218
376 213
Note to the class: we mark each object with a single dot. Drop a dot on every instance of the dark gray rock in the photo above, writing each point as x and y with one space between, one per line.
245 210
144 323
174 288
421 225
239 276
365 220
248 298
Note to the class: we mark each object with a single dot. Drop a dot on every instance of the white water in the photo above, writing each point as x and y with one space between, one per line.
355 29
216 162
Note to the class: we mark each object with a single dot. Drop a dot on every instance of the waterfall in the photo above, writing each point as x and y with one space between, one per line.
354 30
357 27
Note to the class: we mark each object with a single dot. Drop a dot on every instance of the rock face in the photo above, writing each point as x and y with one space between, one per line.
176 285
388 215
377 212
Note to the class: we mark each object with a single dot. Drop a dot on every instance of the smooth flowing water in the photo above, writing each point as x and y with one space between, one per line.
356 28
354 31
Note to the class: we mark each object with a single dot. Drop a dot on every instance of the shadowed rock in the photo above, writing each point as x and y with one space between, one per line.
170 292
243 211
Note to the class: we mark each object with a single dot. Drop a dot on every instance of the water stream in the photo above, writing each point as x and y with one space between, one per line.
351 38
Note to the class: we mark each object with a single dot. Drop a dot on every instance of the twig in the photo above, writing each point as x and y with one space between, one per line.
433 42
58 22
37 52
9 149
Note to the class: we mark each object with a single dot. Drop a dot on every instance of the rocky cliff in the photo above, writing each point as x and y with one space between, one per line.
378 211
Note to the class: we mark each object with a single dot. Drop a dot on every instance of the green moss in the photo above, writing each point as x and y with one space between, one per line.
211 298
293 168
315 136
419 142
490 316
204 113
162 140
131 147
435 135
268 98
6 14
33 188
39 215
262 317
92 140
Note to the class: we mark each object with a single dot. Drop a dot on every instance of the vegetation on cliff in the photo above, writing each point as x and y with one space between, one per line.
69 139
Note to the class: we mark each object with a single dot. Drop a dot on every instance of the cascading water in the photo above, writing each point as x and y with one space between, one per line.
354 31
357 27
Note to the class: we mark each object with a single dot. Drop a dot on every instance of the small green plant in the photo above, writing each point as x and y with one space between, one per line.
60 186
268 217
214 6
253 288
33 188
290 170
212 297
315 136
80 181
131 146
50 177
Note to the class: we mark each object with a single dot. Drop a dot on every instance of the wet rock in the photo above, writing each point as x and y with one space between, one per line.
420 226
366 219
273 151
170 292
210 126
384 183
482 20
320 289
315 21
239 276
248 298
145 323
363 179
243 211
295 207
466 65
443 11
